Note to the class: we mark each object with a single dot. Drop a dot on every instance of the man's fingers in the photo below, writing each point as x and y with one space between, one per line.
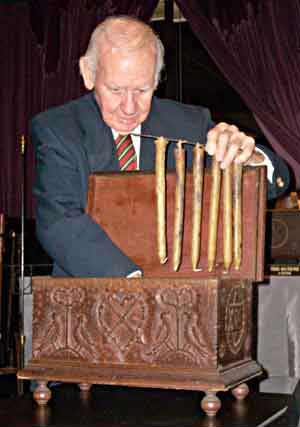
229 144
230 155
217 137
222 145
211 142
246 150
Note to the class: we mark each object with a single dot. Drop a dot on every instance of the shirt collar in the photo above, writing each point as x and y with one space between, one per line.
135 130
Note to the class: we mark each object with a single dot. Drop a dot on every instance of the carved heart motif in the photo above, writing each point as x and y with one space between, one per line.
122 316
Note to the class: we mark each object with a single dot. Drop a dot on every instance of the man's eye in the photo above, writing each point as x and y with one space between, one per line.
115 90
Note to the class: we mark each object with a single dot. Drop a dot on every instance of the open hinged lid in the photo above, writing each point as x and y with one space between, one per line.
124 204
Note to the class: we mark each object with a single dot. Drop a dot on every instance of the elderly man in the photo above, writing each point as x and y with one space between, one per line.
121 69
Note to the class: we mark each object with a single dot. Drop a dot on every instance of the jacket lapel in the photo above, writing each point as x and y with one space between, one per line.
97 139
151 126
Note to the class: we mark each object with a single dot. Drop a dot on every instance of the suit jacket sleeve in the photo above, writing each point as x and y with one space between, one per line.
78 246
281 175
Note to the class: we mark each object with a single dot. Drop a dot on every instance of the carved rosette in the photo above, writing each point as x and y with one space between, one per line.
235 319
280 233
235 308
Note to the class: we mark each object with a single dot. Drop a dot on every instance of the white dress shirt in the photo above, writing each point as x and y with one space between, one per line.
266 162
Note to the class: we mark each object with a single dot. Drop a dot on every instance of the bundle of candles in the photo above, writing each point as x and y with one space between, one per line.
231 182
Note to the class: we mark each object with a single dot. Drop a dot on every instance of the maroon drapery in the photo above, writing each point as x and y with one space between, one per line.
256 45
40 44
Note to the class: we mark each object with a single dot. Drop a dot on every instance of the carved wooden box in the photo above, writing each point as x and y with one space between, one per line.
190 334
184 330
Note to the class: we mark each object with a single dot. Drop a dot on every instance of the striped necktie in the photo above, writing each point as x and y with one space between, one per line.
126 153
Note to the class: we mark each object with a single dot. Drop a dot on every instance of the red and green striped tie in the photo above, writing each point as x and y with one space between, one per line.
126 153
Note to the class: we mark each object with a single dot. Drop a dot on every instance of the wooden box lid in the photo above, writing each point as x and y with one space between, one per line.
124 204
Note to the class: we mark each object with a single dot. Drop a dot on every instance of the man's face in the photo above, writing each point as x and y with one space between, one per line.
124 87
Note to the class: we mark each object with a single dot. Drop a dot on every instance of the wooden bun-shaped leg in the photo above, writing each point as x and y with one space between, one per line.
210 403
85 387
42 394
241 391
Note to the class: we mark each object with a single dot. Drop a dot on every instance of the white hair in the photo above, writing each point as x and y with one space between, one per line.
92 53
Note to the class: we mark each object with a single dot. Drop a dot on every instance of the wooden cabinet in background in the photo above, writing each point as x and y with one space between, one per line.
283 234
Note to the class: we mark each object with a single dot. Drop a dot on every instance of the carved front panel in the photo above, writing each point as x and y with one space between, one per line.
145 321
235 299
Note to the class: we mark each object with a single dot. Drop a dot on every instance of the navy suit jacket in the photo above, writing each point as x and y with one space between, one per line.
71 142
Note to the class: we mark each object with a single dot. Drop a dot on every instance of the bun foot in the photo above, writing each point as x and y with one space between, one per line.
84 387
241 391
42 393
210 404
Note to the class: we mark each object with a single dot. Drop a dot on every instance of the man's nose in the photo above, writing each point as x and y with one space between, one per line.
128 103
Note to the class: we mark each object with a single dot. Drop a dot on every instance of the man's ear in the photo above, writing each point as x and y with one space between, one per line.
87 74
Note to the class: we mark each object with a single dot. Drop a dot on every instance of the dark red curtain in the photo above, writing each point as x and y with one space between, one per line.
40 44
256 45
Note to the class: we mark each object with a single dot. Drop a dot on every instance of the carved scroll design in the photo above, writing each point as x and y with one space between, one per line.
177 335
